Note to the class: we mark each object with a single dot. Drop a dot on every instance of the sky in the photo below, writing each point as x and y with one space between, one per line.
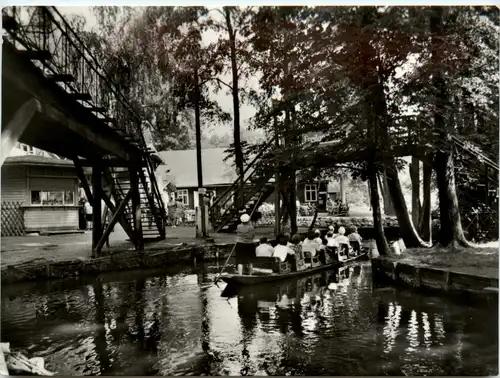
222 97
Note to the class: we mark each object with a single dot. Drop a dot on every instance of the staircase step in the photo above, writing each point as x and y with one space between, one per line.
36 55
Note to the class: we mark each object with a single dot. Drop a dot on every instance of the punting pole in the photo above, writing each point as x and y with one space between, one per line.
234 246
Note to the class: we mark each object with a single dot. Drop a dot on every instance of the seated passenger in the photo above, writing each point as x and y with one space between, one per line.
354 236
317 238
281 250
341 238
330 240
322 251
310 244
297 246
264 249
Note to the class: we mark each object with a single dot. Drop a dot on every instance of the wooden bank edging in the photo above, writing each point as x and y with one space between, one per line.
155 258
435 279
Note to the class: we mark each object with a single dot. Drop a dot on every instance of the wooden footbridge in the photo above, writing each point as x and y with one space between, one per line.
258 179
57 97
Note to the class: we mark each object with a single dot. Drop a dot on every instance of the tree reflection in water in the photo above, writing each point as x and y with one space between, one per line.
333 323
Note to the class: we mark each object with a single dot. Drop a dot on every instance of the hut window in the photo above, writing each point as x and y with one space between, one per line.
52 198
311 193
183 195
69 198
36 198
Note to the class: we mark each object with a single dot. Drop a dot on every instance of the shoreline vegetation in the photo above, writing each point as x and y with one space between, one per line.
480 260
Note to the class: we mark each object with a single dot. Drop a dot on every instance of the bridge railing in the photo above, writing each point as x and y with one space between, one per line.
59 52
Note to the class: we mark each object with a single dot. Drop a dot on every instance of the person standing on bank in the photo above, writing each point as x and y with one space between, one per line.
88 214
245 247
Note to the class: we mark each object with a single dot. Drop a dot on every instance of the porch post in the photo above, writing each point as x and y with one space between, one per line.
96 205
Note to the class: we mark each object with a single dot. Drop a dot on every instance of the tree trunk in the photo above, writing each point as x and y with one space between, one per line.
284 208
451 232
236 98
197 114
415 189
388 207
407 229
425 223
382 245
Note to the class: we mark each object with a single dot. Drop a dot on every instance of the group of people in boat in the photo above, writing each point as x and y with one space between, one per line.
289 248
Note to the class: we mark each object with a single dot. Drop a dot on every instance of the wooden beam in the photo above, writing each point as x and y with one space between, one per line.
83 179
117 214
97 211
80 96
108 162
75 117
16 126
35 55
109 120
136 206
62 78
97 109
110 146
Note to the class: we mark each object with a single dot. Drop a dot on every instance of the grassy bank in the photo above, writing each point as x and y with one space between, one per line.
481 261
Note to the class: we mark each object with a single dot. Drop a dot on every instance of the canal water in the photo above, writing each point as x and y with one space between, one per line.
176 322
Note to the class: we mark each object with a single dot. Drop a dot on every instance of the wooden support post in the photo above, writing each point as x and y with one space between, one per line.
284 212
136 207
293 204
96 206
342 189
116 216
12 131
83 179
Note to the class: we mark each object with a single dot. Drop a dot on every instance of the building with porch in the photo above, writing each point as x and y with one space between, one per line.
180 168
38 194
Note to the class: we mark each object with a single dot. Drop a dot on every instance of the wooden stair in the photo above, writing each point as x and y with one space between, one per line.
256 185
151 227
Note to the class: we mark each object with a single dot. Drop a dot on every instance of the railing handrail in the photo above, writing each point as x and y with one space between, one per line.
226 211
124 101
235 183
94 65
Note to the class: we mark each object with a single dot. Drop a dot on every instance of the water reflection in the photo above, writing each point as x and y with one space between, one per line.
177 323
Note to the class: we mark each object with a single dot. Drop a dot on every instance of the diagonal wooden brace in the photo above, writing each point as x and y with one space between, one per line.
126 227
81 176
117 214
15 128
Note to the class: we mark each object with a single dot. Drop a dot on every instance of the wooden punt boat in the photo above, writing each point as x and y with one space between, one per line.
237 280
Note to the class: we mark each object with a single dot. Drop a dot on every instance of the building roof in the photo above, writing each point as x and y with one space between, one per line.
183 168
37 160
